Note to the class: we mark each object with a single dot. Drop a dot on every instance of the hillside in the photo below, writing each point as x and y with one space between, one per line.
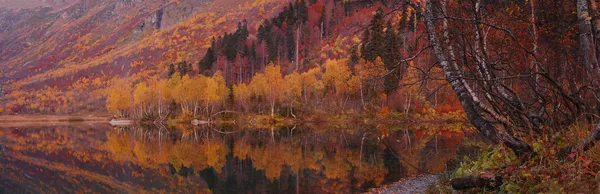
28 4
60 60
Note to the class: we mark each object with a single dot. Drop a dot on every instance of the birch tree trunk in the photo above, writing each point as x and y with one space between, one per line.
474 109
272 108
589 58
586 37
596 32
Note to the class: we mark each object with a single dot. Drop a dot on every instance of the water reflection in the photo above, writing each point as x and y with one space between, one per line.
222 159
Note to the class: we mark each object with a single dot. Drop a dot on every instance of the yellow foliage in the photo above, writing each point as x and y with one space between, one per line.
293 86
241 93
215 154
354 84
259 86
119 97
136 63
274 80
310 82
186 115
337 75
370 70
222 90
143 95
183 93
119 146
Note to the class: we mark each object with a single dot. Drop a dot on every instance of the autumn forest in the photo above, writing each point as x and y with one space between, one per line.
364 92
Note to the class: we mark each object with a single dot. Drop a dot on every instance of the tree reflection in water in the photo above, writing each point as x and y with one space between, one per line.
224 158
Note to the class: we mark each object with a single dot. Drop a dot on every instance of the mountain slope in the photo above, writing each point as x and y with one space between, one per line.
27 4
66 57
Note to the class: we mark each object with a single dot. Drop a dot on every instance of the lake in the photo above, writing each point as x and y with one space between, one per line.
311 158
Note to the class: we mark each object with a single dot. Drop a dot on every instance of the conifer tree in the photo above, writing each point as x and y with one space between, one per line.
171 70
322 24
390 59
377 34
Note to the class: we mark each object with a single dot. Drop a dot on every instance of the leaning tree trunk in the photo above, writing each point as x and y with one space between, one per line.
589 35
474 109
584 145
595 15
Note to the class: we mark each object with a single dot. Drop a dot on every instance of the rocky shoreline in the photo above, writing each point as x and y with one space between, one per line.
414 185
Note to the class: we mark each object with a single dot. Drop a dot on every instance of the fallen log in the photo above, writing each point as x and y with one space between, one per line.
483 181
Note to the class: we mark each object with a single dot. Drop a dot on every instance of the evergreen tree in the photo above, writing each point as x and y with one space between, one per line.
253 51
377 35
278 21
291 43
365 49
183 67
273 47
244 31
179 68
322 23
292 15
354 57
253 58
332 21
302 11
264 31
230 42
231 98
260 34
171 70
391 58
246 51
411 22
374 38
206 63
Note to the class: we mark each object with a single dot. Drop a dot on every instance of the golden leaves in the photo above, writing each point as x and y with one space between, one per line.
337 74
119 97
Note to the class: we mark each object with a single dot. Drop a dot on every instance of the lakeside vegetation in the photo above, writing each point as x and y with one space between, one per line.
331 91
547 172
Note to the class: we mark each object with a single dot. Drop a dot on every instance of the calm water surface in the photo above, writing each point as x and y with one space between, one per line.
223 159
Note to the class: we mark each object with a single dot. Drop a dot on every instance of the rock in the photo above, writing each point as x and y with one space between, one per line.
115 122
199 122
415 185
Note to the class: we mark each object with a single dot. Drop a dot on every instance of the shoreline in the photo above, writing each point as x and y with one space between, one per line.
418 184
35 118
249 119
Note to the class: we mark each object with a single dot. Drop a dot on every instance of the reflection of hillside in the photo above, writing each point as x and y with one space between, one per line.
223 159
68 160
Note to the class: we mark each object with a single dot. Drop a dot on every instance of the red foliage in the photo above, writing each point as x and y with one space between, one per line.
314 13
446 108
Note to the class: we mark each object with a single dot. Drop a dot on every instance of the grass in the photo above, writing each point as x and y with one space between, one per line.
544 173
